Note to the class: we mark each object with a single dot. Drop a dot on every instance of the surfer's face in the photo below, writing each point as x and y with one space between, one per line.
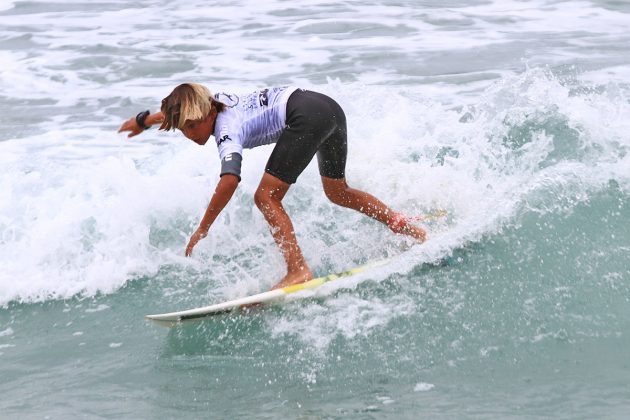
200 131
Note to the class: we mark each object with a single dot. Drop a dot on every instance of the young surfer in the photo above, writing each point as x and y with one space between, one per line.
302 123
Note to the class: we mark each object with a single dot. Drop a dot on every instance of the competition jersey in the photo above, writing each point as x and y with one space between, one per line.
250 120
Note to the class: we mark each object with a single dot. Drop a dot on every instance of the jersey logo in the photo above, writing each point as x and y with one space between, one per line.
222 139
229 100
263 98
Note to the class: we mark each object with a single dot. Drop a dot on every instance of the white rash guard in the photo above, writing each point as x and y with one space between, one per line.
249 120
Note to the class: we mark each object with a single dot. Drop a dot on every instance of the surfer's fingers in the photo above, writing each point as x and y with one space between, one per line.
191 244
125 126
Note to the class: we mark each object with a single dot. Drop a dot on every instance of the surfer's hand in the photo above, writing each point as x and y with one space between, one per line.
132 126
196 237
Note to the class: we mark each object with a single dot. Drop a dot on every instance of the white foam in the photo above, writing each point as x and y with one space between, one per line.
74 54
346 316
7 5
99 308
423 387
385 400
79 208
6 332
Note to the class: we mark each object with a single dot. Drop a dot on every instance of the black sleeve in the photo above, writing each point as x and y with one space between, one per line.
231 164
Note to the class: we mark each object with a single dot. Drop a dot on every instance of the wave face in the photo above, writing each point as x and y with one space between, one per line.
511 116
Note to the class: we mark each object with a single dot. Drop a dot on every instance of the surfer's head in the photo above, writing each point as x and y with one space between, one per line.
188 102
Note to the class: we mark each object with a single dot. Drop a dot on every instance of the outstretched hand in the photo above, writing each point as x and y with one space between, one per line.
132 126
196 237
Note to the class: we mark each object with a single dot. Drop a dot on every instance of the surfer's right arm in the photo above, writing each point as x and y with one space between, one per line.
222 195
142 121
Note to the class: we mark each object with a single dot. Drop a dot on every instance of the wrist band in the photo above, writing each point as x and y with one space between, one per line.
141 117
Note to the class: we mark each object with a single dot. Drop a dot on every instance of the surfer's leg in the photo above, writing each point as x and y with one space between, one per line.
338 191
331 158
268 198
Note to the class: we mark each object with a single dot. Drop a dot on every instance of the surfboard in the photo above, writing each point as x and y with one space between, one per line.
172 318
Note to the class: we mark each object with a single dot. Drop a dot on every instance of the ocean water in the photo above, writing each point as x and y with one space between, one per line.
514 116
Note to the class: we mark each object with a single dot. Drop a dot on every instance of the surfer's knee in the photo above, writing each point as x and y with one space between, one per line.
266 199
336 197
336 190
270 192
262 198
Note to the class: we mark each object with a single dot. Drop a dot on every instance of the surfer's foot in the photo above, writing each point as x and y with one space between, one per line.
401 224
296 277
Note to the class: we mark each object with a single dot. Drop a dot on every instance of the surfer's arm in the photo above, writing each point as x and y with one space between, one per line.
222 195
132 126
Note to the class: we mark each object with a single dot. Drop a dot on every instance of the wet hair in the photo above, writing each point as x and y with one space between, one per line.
188 101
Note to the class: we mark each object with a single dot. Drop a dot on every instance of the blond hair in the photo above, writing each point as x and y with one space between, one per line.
188 101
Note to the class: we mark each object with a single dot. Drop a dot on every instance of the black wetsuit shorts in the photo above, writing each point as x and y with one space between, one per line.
315 124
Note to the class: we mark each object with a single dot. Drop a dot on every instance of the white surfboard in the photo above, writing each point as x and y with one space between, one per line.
172 318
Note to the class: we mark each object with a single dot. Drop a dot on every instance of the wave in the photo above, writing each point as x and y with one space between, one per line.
83 213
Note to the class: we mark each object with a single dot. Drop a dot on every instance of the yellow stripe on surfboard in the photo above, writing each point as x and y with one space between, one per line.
435 214
311 284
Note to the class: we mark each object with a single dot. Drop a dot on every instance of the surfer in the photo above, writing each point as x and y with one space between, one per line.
302 123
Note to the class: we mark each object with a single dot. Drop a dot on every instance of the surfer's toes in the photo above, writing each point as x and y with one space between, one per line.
397 223
400 223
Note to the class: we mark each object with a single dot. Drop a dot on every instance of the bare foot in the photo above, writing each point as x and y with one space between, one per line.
296 277
400 223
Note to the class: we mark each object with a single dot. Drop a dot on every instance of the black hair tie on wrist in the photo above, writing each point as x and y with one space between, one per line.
141 117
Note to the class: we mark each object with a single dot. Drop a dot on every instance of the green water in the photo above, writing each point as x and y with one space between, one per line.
530 321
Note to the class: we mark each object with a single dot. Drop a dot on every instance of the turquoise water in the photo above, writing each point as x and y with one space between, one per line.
511 115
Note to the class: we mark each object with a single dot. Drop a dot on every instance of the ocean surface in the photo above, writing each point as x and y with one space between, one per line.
514 116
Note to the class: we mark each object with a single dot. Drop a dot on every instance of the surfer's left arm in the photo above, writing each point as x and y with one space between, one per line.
222 195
